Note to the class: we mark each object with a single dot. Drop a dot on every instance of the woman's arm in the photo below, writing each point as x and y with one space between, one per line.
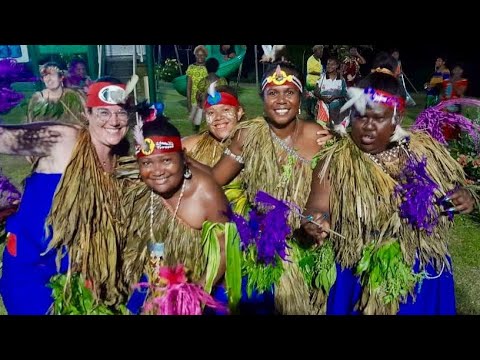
231 162
36 139
318 207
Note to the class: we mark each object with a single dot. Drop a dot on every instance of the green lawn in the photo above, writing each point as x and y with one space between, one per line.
465 237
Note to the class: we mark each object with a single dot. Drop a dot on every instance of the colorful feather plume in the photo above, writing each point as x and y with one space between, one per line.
267 228
434 119
417 192
178 297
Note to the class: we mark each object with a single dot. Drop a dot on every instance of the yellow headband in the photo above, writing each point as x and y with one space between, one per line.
280 77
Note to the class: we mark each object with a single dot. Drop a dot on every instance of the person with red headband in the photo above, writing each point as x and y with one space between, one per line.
223 112
382 200
275 154
70 211
178 215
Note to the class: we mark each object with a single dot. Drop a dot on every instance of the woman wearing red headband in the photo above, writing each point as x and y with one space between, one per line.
390 196
70 207
223 113
178 217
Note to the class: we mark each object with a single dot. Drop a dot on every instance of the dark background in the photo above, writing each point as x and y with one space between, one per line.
418 60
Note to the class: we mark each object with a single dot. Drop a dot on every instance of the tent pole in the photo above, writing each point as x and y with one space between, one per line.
178 59
256 66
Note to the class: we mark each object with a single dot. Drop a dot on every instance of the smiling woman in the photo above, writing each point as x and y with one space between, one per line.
70 207
177 216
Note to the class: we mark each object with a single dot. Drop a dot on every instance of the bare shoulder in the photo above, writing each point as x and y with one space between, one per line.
311 127
189 142
309 134
209 194
206 184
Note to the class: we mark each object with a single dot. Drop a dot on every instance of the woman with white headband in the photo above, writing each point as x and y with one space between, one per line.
275 153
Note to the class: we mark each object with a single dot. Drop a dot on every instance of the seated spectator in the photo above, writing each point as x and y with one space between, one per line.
331 92
77 77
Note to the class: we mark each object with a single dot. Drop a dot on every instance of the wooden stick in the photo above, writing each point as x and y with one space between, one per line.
308 218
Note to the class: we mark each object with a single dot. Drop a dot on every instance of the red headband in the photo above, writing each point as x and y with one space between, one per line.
105 94
154 145
222 98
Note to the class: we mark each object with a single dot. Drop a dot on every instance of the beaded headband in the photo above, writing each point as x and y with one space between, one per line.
280 77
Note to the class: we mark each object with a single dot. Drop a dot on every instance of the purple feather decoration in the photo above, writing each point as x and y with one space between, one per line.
11 71
9 99
274 228
267 228
433 119
244 231
417 192
8 193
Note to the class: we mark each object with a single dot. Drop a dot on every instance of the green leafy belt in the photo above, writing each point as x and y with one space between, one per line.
260 276
211 248
233 273
385 273
78 299
317 266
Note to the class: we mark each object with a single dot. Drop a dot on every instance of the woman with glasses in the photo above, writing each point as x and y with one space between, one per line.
70 210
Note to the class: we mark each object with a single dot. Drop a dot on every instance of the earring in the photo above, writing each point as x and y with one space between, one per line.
299 111
187 174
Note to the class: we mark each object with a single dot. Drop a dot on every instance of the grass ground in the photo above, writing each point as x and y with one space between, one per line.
465 237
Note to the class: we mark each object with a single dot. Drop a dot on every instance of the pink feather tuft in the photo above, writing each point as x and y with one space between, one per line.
186 299
179 297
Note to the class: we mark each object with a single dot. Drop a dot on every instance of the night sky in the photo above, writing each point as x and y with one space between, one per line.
418 61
